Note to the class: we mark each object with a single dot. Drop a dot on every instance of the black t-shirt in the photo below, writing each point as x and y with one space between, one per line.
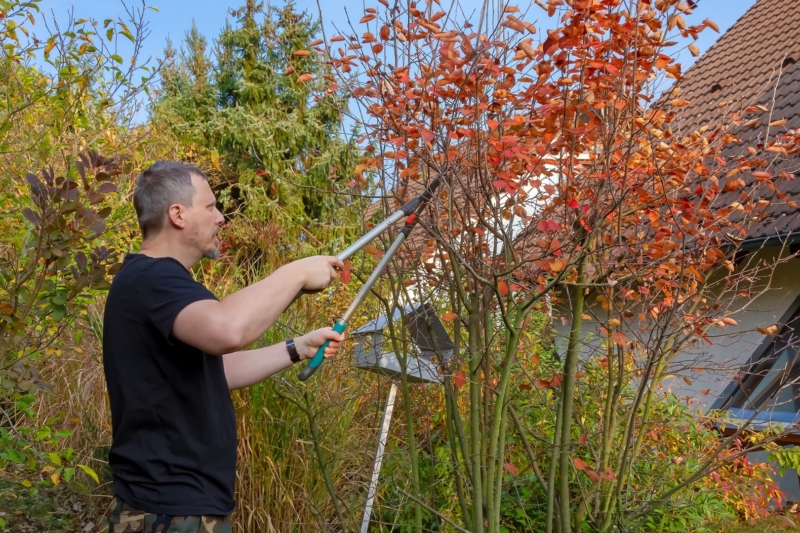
173 450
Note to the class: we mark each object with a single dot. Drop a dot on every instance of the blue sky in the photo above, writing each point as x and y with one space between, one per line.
175 17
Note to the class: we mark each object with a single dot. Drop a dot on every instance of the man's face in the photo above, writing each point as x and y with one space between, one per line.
204 220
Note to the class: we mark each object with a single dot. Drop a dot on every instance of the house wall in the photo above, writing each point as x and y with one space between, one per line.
711 368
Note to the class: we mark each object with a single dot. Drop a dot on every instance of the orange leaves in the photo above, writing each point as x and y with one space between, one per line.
771 330
304 78
367 18
449 317
426 135
384 33
502 288
301 53
527 49
778 123
676 20
459 379
557 265
377 48
727 321
373 251
345 275
708 23
694 50
337 39
734 185
679 102
579 463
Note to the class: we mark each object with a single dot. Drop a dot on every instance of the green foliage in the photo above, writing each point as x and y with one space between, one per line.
66 100
273 150
787 458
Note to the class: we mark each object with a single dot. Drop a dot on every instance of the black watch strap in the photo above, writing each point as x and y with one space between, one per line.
292 349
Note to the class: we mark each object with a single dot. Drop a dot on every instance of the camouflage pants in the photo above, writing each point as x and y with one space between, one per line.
126 519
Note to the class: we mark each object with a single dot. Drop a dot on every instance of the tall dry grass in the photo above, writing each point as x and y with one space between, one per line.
280 485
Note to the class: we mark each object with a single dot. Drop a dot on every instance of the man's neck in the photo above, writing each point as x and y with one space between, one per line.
161 248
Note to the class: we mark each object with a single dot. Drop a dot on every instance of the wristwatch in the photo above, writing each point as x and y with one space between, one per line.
292 349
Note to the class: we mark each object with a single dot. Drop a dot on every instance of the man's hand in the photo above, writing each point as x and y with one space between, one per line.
308 344
318 271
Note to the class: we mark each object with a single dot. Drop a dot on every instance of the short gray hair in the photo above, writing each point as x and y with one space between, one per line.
159 186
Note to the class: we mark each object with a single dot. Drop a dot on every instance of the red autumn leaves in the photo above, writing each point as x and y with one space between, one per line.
581 465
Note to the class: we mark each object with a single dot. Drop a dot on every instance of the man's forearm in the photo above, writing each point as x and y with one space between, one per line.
248 367
254 309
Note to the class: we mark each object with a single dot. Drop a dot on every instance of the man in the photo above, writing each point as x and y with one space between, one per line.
172 352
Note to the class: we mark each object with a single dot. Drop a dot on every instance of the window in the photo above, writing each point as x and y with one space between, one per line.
769 384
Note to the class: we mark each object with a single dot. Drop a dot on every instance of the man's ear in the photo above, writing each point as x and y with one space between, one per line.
177 216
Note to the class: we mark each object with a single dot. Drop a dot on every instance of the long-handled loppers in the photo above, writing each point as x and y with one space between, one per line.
411 211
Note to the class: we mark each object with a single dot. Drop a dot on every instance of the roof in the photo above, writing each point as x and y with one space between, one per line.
745 61
754 63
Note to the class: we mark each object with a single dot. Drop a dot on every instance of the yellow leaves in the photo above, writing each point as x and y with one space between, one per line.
301 53
708 23
89 472
215 161
55 478
27 484
680 103
771 330
51 42
778 123
694 50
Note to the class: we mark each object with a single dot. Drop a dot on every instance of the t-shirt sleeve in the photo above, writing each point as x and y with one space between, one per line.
168 289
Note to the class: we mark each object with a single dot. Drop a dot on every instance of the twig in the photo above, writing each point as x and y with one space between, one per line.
434 511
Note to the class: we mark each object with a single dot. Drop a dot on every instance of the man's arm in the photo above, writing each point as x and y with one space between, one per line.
246 368
240 318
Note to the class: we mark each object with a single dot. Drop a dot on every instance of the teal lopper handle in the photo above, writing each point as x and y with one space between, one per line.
316 361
